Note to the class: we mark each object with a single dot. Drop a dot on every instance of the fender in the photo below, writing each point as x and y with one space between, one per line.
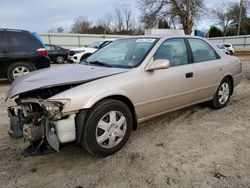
104 94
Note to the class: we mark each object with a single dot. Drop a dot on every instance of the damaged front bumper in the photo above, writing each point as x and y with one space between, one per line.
40 121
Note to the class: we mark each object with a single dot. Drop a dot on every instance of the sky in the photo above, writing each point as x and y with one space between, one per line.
45 15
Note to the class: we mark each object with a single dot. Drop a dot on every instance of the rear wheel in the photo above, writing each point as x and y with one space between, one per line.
222 94
60 59
107 128
18 69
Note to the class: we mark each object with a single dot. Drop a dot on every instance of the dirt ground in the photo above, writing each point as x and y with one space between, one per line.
194 147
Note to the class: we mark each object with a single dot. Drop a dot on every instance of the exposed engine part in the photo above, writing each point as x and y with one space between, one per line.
33 132
38 148
16 127
43 120
46 93
51 135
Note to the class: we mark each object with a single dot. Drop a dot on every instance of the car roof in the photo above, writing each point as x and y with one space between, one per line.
51 45
162 36
107 40
16 30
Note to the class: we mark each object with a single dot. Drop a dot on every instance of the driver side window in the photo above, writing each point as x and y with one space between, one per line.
174 50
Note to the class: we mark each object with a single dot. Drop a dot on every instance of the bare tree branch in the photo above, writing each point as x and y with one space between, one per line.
184 11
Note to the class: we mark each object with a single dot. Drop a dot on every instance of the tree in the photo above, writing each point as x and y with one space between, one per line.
215 32
60 30
163 24
106 23
224 20
118 19
184 11
128 19
228 19
123 19
80 25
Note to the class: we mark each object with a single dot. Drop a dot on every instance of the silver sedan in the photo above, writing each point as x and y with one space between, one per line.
99 102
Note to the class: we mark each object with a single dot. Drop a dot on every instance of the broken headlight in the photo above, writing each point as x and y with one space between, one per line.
55 107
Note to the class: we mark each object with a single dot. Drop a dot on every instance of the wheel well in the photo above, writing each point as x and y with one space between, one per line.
232 82
9 65
130 105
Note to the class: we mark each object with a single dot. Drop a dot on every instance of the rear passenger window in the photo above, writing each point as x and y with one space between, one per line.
201 50
4 45
21 42
174 50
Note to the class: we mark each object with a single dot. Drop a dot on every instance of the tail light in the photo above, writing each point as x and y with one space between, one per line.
42 51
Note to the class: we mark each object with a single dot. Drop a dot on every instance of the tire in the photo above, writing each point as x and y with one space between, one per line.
222 95
60 60
107 128
18 69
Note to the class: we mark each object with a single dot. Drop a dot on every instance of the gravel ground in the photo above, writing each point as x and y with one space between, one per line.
193 147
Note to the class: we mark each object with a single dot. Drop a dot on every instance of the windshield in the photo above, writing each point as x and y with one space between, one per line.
126 53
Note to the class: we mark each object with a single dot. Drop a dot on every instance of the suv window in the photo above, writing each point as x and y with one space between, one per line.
201 50
4 44
174 50
20 42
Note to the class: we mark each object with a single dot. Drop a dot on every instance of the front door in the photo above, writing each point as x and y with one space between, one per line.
171 88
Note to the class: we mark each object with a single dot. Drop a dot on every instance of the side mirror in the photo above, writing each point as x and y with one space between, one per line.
158 64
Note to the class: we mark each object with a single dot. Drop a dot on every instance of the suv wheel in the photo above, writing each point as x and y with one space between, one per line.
18 69
107 128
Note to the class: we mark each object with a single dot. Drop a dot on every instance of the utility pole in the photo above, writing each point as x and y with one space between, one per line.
241 5
188 22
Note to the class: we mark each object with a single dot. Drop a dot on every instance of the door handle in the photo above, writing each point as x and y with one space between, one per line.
189 75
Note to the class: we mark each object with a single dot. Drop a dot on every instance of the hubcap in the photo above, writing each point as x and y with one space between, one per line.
60 60
19 71
224 93
111 129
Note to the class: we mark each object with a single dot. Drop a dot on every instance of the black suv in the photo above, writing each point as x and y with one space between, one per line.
20 53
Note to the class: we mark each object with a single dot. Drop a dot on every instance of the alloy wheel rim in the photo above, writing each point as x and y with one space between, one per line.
111 129
224 92
60 60
19 71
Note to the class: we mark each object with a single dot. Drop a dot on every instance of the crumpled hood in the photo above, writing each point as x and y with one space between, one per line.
60 75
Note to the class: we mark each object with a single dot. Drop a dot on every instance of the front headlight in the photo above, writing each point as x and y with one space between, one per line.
55 107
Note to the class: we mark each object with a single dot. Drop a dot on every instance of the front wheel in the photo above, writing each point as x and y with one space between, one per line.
107 128
222 94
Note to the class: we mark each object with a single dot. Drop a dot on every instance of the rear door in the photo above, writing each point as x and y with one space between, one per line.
5 53
52 52
24 45
170 88
208 70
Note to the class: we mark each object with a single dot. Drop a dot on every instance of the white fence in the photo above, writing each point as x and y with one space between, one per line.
239 42
69 40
